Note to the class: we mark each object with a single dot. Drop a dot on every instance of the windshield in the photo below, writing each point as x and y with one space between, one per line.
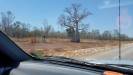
79 29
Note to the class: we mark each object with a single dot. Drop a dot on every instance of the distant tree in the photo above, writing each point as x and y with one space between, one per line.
72 20
115 34
6 22
46 30
16 30
70 32
84 34
124 37
118 36
95 34
106 35
19 29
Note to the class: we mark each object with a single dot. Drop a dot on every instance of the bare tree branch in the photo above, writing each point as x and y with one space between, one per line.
72 19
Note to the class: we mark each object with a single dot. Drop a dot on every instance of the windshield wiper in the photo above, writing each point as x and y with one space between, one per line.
87 65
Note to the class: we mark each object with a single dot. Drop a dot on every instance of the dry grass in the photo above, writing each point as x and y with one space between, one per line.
63 47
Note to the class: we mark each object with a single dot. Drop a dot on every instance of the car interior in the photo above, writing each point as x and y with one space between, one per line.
9 59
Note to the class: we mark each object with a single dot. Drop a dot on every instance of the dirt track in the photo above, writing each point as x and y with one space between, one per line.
126 54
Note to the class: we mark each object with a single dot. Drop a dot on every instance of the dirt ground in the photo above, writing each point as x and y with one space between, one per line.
63 47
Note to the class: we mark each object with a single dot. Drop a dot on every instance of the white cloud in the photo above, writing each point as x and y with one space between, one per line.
108 4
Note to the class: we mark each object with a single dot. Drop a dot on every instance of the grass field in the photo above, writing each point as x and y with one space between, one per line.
63 47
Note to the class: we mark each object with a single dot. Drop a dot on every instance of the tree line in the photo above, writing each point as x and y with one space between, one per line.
72 20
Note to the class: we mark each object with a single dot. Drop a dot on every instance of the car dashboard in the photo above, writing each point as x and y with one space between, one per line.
45 68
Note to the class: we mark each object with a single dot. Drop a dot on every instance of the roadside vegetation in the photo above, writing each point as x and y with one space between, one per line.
49 41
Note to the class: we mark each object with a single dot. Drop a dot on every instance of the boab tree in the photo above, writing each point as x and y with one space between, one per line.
72 19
